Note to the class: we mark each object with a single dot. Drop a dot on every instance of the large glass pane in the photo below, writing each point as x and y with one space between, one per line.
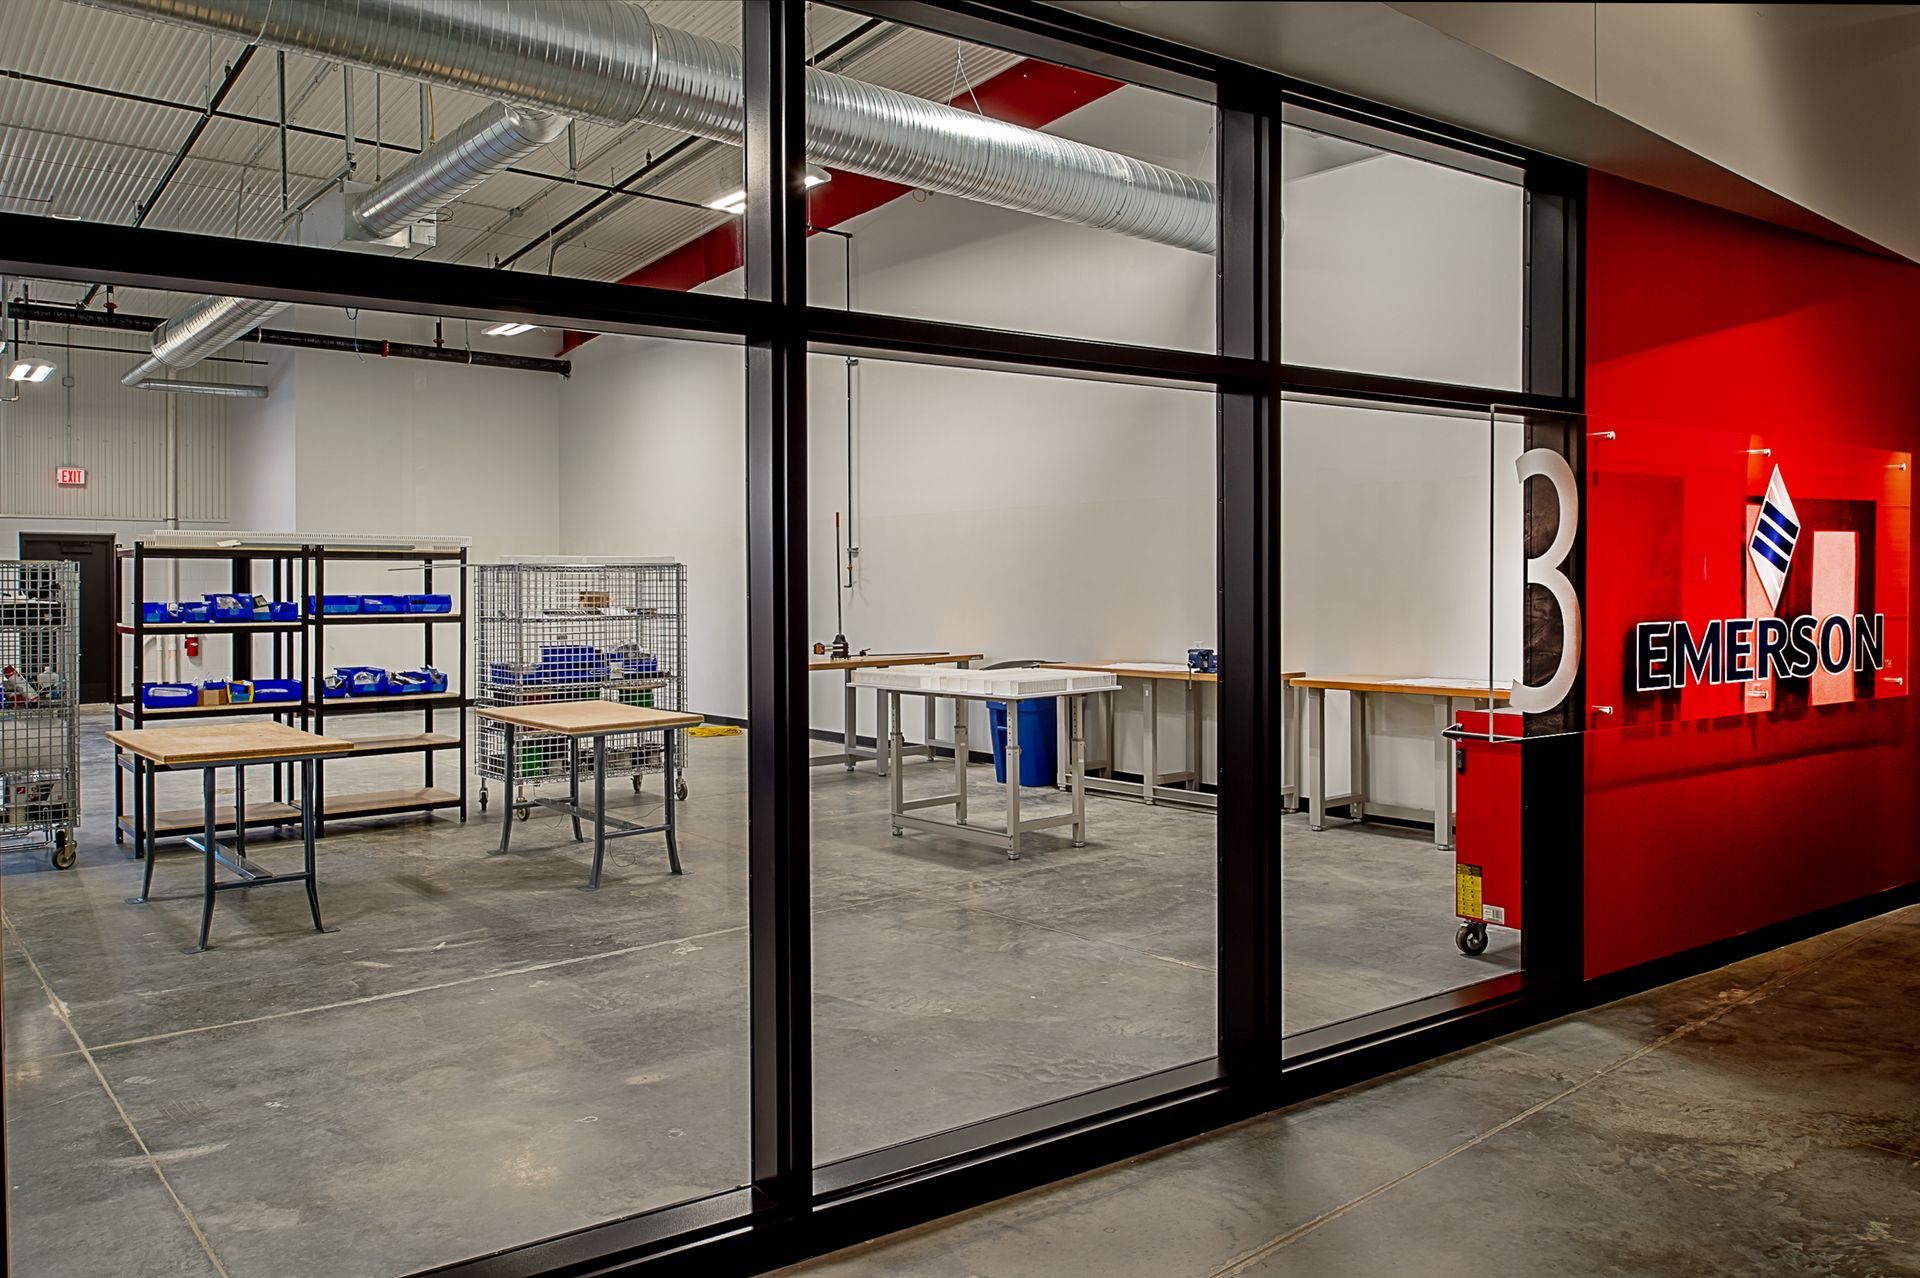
477 1052
1401 611
968 184
1399 265
1007 522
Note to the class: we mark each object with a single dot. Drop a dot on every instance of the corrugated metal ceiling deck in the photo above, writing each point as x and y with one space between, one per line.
66 150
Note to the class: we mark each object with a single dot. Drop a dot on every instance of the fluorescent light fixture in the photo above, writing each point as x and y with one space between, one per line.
512 328
241 390
735 202
65 215
30 370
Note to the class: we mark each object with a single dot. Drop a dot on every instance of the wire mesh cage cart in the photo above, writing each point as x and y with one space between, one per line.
39 693
548 629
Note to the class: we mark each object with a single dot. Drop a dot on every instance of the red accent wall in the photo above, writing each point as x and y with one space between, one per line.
1718 348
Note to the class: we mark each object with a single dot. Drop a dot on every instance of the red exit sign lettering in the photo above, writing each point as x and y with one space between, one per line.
71 476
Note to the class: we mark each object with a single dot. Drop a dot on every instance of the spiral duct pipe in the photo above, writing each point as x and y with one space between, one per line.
605 60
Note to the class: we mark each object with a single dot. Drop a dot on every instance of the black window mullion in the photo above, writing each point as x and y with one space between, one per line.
778 854
1250 720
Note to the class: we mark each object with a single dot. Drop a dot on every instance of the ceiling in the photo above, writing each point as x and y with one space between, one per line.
1801 114
76 149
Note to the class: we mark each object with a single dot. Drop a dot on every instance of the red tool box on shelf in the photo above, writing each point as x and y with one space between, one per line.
1486 841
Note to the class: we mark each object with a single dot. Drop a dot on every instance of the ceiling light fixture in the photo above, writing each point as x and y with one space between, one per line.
30 370
240 390
735 202
512 328
65 215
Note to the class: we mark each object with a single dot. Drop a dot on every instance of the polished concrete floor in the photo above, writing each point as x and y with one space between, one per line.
1761 1119
478 1053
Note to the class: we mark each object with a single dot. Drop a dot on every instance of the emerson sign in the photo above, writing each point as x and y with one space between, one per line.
1668 655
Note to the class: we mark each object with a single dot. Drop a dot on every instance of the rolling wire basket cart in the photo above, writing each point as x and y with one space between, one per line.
571 630
39 687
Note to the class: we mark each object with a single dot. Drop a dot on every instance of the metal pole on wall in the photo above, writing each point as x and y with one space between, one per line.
173 658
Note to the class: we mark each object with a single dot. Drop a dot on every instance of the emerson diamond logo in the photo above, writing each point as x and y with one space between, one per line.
1774 536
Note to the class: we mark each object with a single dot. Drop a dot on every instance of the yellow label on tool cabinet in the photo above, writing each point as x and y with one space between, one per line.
1466 891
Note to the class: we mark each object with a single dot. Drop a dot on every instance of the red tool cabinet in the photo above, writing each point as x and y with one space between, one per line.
1486 840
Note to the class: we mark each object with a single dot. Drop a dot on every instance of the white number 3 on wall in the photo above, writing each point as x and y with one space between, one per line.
1545 570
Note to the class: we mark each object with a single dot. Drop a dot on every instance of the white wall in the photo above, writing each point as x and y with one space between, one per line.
1393 265
407 446
653 463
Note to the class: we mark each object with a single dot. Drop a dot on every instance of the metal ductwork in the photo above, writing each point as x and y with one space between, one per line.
463 159
493 140
606 60
208 326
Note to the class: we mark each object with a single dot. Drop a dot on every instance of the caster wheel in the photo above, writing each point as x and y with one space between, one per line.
1471 938
526 813
680 788
636 785
899 833
483 800
64 854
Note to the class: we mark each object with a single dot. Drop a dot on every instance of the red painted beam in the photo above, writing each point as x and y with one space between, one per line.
1029 93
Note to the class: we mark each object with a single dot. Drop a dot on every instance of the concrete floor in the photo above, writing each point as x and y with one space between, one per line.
1761 1119
480 1054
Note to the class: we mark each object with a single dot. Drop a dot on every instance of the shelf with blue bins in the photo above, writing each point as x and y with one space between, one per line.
422 600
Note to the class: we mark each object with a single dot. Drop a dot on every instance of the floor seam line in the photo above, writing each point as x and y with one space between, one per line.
390 995
1239 1264
1091 940
59 1010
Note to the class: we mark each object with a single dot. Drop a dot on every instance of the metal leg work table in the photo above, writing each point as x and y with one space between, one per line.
238 746
1181 786
1361 689
1007 686
594 721
852 751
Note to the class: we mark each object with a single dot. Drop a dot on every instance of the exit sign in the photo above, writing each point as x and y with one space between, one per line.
71 476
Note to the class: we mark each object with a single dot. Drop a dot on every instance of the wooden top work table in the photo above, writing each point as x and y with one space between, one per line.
594 721
1183 785
1361 689
239 746
851 750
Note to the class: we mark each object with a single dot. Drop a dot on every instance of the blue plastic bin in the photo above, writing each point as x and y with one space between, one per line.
156 612
367 681
431 680
429 603
168 696
276 689
192 612
383 603
278 610
407 683
1039 739
230 607
334 605
333 685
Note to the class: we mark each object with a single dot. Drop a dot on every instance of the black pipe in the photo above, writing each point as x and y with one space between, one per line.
41 313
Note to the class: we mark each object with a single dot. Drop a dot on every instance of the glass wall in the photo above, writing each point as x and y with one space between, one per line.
476 1053
1048 533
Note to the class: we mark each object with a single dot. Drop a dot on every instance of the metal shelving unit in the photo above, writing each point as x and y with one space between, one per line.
39 742
135 568
297 650
552 629
442 569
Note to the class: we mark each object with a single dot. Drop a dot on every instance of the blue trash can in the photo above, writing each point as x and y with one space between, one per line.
1039 740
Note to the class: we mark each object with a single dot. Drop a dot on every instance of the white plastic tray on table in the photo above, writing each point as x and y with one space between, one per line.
1001 685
